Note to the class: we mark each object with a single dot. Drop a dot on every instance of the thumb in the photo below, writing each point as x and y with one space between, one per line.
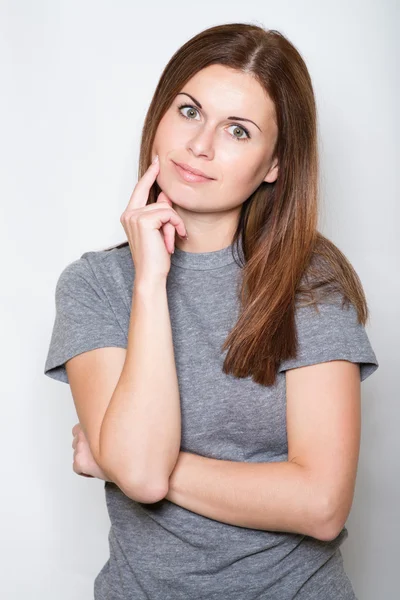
162 197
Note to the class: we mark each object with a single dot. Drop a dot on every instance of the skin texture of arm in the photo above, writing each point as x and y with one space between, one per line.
279 496
141 430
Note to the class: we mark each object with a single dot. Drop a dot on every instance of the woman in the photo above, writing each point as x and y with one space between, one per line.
215 358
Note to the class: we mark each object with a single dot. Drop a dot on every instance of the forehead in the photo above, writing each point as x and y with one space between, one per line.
226 91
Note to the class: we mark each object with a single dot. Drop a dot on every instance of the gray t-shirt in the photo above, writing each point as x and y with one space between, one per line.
162 551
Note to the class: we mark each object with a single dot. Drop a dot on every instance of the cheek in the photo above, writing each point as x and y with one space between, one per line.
239 175
162 134
170 134
157 143
239 179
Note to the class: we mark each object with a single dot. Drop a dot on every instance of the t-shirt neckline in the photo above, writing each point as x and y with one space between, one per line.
203 261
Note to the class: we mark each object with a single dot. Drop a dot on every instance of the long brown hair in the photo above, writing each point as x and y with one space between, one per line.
287 261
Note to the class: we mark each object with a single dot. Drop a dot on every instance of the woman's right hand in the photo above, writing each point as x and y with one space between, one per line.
151 254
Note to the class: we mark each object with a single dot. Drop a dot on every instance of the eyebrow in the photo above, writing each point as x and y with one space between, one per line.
231 118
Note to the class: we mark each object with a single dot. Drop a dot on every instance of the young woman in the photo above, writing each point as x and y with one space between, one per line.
215 357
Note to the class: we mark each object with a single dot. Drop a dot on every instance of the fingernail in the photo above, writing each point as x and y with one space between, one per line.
155 159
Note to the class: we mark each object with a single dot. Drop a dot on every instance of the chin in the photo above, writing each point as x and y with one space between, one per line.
177 193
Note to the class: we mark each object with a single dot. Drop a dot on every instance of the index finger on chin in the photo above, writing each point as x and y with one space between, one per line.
141 191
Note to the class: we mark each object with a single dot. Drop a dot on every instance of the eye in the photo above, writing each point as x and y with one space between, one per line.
240 127
186 106
243 129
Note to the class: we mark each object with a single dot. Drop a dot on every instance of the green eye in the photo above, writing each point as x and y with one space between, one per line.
187 106
243 129
240 127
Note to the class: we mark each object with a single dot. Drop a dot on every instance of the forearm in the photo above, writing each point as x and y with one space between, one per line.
141 431
280 496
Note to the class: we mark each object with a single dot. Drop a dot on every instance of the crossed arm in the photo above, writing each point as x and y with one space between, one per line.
312 492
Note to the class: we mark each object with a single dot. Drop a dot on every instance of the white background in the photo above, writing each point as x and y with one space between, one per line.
76 80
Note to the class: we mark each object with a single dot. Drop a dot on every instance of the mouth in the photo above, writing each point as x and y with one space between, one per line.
191 175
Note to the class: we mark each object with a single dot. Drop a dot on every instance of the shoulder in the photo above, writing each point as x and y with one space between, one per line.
90 310
334 310
117 257
331 330
96 269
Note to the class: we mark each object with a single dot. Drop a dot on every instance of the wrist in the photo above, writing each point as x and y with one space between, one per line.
149 286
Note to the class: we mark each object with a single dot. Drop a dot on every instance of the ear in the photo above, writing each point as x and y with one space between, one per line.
272 174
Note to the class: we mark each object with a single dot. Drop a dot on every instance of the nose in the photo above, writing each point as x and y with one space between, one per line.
202 144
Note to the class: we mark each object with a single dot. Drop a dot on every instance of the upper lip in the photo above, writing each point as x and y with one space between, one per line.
192 170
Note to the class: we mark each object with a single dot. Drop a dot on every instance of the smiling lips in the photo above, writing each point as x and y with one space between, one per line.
192 177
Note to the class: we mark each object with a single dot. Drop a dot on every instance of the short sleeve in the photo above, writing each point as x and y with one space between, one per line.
84 319
333 333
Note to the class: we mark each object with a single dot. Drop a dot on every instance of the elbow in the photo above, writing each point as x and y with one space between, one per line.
145 493
137 488
329 532
329 524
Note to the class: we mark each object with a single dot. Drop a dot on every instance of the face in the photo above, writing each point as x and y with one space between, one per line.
235 153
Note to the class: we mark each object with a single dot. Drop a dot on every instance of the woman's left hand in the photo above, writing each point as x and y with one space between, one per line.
84 463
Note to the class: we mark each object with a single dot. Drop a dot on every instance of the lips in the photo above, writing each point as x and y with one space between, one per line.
192 170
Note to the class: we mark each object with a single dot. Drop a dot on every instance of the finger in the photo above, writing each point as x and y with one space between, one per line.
141 191
162 197
168 228
169 236
156 207
162 216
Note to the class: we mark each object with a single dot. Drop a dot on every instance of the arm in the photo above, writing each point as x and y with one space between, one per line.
312 496
230 492
127 399
312 493
141 430
130 412
281 496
